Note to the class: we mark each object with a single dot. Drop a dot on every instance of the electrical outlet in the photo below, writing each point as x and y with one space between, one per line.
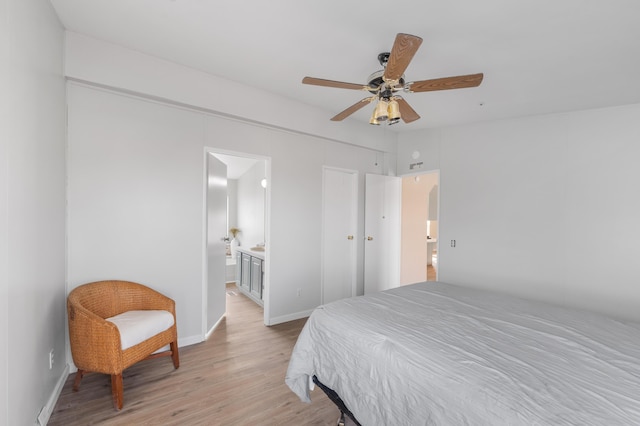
453 243
298 293
50 359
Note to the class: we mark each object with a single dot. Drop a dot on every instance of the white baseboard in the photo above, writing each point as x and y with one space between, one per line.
210 332
289 317
191 340
45 413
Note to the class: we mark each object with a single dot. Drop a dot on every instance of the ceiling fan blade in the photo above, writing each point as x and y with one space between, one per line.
404 47
459 82
332 83
407 113
353 108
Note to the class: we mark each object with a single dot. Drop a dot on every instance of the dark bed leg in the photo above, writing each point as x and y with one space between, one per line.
333 396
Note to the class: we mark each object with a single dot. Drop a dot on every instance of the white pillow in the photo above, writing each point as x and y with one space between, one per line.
137 326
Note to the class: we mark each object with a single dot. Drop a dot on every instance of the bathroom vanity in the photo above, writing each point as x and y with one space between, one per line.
250 273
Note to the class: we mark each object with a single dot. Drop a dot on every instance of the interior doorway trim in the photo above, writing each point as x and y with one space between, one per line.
416 175
266 297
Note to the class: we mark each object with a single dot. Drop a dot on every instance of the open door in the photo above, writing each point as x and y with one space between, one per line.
383 197
216 245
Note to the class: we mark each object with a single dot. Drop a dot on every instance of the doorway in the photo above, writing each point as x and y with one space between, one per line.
246 216
419 230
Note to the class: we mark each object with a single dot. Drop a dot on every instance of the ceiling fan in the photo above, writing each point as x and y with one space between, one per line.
386 83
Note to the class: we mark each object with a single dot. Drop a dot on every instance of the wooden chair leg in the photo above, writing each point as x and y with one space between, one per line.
76 382
174 354
117 390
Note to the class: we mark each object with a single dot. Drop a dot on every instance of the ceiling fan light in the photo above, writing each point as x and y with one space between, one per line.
373 120
394 111
380 112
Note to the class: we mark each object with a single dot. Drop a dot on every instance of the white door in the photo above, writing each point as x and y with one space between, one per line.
216 246
383 196
339 207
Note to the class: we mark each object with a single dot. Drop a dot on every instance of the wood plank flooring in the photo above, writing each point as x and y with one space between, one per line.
234 378
431 273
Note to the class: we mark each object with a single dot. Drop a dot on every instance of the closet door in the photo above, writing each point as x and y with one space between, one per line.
339 219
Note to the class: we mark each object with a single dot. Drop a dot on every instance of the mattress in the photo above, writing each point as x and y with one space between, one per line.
438 354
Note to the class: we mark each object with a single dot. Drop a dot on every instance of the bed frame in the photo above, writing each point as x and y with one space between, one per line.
335 398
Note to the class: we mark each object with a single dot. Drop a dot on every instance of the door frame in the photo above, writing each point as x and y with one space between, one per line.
353 222
426 172
267 235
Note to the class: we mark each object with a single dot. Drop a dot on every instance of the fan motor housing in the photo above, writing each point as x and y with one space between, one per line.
376 79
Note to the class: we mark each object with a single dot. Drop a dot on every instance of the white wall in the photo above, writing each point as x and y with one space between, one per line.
250 208
232 193
525 200
5 135
136 177
92 60
32 213
135 198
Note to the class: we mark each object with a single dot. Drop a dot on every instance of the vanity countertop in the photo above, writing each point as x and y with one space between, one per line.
254 253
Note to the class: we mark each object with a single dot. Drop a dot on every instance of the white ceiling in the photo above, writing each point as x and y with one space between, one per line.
538 56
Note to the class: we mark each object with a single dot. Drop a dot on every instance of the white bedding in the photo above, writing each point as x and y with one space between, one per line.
437 354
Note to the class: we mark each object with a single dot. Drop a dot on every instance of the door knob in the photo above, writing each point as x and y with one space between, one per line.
349 237
369 238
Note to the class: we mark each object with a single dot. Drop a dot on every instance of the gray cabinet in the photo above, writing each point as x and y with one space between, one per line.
256 277
250 275
245 271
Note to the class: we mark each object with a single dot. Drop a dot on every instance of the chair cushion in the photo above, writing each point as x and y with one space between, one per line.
137 326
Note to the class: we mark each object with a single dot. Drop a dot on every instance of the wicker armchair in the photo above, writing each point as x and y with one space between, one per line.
96 343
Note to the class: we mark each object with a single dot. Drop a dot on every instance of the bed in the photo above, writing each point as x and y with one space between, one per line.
438 354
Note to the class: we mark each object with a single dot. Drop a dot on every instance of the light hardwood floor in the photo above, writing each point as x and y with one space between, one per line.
431 269
234 378
431 273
